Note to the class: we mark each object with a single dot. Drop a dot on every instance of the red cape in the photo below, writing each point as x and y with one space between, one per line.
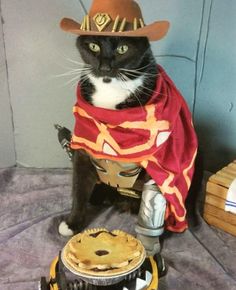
159 136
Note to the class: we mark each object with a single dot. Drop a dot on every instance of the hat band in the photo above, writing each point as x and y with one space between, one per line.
103 22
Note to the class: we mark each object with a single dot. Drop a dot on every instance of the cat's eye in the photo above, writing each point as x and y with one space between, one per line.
122 49
94 47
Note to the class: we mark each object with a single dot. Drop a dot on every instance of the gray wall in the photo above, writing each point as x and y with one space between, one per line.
198 53
7 150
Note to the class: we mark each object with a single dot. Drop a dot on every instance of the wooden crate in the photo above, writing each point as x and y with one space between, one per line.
216 191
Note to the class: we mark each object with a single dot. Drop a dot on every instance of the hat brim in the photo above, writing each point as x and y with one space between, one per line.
154 31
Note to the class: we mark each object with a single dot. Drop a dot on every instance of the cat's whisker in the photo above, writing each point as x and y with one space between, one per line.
128 70
135 73
71 73
77 78
141 90
67 58
67 68
74 84
147 65
77 62
81 69
83 79
80 81
150 74
138 69
121 77
124 78
159 93
146 88
143 93
73 79
85 75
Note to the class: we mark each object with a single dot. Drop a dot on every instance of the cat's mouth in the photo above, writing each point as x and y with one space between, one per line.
106 79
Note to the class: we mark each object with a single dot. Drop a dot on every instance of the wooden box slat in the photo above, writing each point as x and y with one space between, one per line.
221 180
228 174
216 192
215 201
218 223
222 214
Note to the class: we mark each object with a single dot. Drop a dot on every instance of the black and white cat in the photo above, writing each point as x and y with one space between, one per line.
122 71
119 72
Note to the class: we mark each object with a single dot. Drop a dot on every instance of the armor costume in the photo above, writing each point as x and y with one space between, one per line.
158 137
153 204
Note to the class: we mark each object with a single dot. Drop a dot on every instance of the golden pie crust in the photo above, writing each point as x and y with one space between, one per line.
99 252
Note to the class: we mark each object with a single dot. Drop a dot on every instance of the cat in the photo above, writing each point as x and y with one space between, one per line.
119 73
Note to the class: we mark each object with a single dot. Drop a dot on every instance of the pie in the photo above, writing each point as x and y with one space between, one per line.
99 252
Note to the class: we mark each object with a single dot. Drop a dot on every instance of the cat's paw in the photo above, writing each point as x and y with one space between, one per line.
64 229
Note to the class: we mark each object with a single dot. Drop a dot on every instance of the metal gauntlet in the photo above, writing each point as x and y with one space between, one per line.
151 217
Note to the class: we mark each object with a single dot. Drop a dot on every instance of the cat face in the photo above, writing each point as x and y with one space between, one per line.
108 56
119 72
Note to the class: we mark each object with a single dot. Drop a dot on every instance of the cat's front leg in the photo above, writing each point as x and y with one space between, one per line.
84 180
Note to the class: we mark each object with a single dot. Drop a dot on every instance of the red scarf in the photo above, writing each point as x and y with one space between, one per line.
159 136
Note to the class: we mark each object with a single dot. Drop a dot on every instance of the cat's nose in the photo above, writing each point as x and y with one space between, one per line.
105 67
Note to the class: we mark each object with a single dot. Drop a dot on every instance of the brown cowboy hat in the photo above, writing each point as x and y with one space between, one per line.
115 18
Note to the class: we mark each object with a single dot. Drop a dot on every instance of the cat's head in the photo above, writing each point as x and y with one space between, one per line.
112 57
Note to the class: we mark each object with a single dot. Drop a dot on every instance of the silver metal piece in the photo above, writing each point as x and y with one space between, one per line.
151 218
151 244
134 275
135 282
151 212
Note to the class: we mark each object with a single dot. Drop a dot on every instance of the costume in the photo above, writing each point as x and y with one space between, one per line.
158 136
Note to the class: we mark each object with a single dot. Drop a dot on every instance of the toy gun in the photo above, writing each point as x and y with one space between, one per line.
64 137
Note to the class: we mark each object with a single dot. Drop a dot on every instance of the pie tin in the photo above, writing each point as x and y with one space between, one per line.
101 280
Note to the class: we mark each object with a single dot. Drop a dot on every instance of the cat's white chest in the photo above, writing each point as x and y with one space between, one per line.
109 95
